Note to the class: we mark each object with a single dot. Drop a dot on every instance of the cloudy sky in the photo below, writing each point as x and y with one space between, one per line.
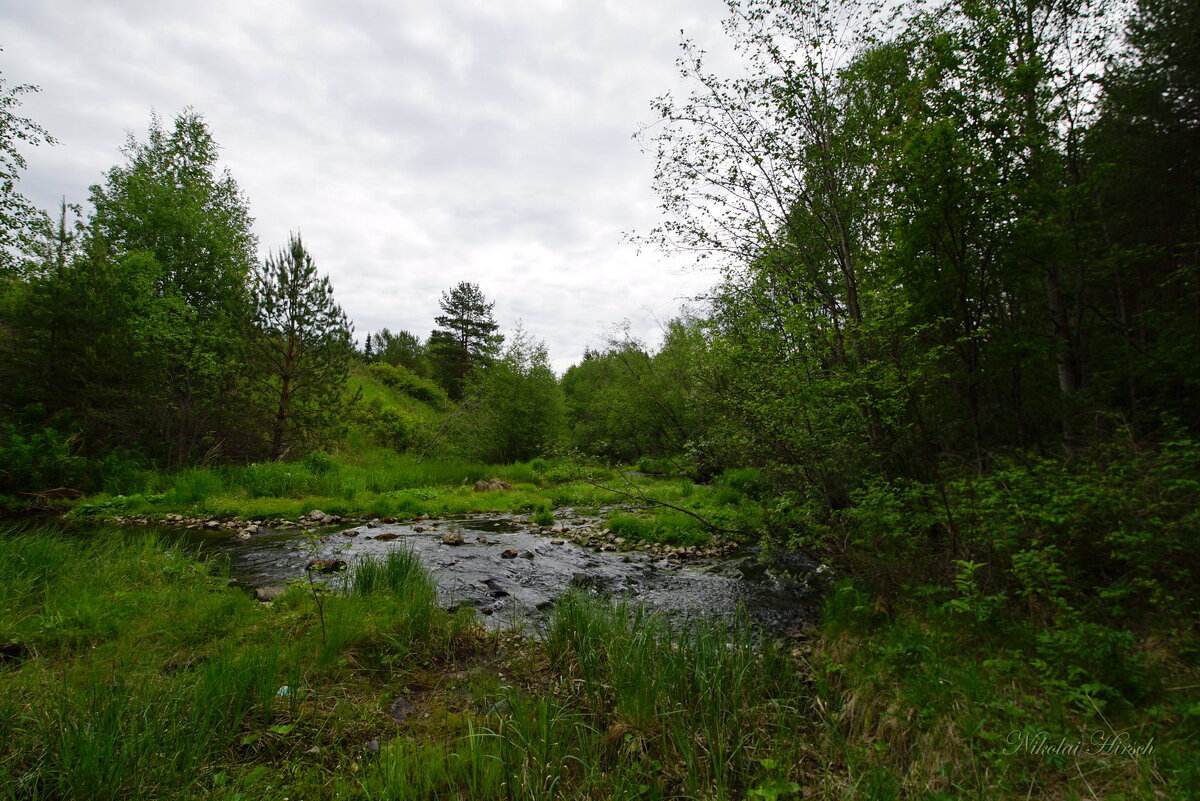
413 144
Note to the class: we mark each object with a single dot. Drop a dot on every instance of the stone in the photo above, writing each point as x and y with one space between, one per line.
482 486
326 565
269 593
400 709
510 553
419 529
495 588
385 537
526 554
557 542
316 515
482 539
242 535
452 538
350 532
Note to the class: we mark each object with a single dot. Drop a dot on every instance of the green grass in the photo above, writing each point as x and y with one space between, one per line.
141 674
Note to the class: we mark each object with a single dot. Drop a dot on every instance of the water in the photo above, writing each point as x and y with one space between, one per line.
522 590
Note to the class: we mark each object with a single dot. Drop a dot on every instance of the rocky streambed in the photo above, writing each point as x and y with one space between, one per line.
512 571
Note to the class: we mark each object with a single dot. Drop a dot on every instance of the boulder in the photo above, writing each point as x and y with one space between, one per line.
492 486
510 553
452 538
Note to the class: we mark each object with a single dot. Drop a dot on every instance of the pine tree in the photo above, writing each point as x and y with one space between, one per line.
303 344
465 338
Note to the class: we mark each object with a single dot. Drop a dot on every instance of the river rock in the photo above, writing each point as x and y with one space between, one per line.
385 537
350 532
492 486
510 553
326 565
452 538
269 593
526 554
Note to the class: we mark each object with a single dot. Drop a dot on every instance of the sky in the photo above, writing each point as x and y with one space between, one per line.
413 144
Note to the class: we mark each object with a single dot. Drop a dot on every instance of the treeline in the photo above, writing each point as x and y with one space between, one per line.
967 231
149 331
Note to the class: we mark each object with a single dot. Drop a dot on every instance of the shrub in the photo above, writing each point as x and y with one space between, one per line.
409 383
36 459
543 516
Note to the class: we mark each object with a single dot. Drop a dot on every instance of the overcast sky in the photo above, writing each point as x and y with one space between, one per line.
413 144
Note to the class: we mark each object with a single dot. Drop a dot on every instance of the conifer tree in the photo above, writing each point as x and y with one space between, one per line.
303 345
465 338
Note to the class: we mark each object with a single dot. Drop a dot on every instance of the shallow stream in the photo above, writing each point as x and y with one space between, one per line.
513 576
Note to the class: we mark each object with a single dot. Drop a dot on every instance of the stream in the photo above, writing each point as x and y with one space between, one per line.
512 572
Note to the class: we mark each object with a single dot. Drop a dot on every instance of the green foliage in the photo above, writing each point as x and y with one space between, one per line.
18 217
404 380
626 404
465 339
515 411
35 459
543 515
302 346
670 527
134 325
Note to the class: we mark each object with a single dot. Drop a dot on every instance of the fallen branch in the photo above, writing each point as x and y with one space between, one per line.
641 496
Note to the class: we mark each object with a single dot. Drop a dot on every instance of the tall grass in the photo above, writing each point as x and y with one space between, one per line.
129 683
636 708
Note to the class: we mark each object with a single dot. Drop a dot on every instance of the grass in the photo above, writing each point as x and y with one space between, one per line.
140 674
379 482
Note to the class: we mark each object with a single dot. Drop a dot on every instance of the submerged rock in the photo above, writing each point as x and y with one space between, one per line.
326 565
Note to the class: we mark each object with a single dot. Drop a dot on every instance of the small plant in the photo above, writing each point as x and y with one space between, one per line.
543 516
775 787
317 588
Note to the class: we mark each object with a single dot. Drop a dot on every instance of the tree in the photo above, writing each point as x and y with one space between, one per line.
17 215
466 337
303 346
168 203
518 405
401 349
135 327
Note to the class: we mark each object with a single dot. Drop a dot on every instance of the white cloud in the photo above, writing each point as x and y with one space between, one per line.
414 145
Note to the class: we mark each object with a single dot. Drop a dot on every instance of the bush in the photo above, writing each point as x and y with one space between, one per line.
544 515
409 383
34 459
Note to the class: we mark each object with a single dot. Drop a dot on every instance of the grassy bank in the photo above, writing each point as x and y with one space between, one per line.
381 483
131 671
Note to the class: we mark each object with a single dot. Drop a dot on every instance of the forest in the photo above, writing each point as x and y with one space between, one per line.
953 356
